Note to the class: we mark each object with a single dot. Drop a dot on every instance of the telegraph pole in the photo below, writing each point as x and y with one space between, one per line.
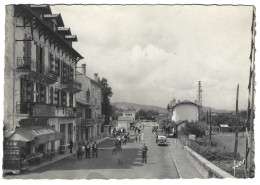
251 90
210 126
207 117
236 135
199 100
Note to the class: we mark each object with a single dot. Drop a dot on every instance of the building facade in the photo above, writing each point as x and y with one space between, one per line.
185 110
126 119
90 119
40 85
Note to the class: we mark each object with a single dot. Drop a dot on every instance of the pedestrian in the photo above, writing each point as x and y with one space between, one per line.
139 137
95 149
144 150
119 156
136 138
87 149
79 152
71 146
142 136
124 140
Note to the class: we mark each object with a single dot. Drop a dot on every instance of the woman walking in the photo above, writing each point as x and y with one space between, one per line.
119 155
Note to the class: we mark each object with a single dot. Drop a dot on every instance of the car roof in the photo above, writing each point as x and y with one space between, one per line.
161 137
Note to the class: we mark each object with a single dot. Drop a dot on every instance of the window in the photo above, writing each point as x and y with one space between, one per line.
52 62
63 98
88 96
57 66
71 100
51 95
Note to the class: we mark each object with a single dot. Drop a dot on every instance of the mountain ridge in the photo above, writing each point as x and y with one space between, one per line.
128 105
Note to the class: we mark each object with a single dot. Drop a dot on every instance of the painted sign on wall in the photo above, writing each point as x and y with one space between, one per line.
11 155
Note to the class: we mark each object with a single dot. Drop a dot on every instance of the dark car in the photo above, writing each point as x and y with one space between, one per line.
161 140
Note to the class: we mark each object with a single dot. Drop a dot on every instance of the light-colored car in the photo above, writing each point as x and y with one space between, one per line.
161 140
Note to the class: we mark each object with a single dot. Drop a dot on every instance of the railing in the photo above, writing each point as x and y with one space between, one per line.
70 82
85 122
45 110
31 64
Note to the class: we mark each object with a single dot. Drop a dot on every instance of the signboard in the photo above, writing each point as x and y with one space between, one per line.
33 122
11 159
48 138
42 110
192 136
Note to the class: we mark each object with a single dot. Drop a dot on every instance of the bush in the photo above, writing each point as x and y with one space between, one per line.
193 128
211 153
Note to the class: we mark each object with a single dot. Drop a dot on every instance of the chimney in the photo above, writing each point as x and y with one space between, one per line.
83 66
96 77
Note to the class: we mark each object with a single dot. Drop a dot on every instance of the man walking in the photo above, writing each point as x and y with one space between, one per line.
87 149
79 152
144 150
71 146
95 149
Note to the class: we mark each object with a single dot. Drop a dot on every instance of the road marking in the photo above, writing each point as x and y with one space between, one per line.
177 168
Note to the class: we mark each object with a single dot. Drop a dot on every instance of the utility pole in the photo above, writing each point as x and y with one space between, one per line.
210 126
251 94
207 117
199 100
236 135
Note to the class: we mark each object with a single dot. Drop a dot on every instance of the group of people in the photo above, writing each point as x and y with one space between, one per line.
139 137
87 147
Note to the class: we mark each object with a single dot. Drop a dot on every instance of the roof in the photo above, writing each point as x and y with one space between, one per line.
223 125
60 21
125 118
185 102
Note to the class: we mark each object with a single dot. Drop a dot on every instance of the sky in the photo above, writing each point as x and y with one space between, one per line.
150 54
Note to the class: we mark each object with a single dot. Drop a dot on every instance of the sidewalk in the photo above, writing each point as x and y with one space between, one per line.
59 157
183 164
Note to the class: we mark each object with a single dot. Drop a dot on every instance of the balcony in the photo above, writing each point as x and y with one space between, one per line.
85 122
71 85
30 67
41 110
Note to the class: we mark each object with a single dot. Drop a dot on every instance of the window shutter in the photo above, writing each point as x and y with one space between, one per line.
51 95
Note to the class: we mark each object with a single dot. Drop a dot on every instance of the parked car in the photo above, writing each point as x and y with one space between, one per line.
161 140
170 135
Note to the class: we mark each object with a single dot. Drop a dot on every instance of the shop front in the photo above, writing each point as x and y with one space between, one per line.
34 143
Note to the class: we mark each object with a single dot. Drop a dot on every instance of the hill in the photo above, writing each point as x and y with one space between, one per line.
205 109
127 106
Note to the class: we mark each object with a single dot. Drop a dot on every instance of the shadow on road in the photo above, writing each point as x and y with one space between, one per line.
105 160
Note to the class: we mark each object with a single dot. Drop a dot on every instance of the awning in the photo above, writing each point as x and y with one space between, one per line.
40 133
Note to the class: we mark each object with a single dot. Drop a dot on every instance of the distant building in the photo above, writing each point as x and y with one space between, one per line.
185 110
89 121
126 120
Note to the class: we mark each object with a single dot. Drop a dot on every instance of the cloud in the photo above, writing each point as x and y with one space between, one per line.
149 53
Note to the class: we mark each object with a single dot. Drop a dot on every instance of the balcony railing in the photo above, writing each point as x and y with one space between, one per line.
27 63
71 83
85 122
45 110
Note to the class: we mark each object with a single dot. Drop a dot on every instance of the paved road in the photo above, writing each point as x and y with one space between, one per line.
160 164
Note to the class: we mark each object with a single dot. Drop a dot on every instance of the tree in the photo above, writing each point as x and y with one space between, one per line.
106 94
193 128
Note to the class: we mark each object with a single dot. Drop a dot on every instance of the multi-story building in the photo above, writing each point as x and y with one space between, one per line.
185 110
89 113
40 86
126 119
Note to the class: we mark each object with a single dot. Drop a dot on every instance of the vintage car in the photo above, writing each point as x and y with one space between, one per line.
161 140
